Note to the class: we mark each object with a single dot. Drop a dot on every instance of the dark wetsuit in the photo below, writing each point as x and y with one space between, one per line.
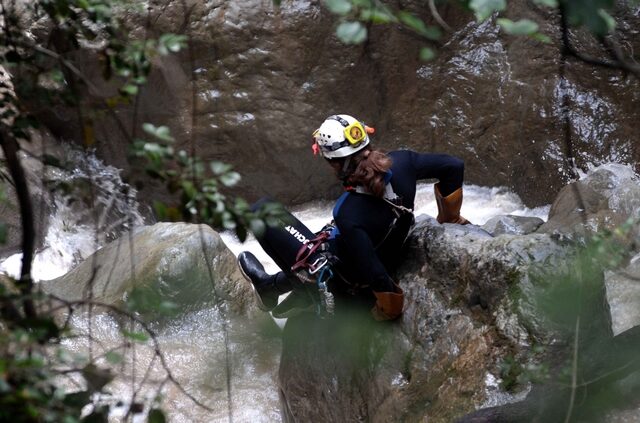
370 234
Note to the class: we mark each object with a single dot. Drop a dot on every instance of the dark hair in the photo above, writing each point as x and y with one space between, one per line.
368 168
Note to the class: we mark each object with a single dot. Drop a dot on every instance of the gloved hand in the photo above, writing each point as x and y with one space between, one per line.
388 304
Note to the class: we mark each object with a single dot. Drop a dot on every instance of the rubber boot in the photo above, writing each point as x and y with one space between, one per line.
449 207
266 287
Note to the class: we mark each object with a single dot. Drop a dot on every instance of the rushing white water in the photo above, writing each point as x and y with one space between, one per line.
75 232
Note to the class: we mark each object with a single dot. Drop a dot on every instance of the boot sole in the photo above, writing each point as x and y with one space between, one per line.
261 305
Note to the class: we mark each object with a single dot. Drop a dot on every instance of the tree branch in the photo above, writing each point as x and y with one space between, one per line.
619 63
10 148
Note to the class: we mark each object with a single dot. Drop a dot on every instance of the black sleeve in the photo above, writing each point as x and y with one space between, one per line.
449 170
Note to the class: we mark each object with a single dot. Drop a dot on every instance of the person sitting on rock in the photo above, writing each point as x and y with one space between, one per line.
355 254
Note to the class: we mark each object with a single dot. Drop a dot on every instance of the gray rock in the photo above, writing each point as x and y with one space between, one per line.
604 199
623 296
513 225
163 262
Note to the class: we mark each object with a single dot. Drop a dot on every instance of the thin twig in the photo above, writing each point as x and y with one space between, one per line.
152 335
437 17
574 371
619 62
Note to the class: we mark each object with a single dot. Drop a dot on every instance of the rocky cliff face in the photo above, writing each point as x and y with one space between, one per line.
260 79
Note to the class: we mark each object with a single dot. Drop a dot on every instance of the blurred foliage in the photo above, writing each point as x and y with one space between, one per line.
582 359
354 17
38 72
200 187
577 289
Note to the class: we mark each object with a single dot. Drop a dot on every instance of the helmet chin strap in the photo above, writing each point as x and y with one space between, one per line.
343 175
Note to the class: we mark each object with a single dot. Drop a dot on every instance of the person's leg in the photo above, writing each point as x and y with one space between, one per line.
449 171
282 243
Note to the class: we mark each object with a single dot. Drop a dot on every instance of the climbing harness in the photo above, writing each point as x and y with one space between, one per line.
327 301
319 269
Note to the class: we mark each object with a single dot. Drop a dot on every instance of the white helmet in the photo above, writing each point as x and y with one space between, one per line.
340 136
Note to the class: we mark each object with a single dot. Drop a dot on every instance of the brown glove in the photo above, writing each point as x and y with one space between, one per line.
388 305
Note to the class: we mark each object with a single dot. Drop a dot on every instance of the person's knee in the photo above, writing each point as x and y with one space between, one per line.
456 165
456 171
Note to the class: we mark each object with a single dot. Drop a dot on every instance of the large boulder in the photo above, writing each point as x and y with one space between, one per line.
473 303
187 265
264 77
603 199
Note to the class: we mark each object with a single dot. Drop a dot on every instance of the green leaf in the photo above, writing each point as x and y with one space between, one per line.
129 89
136 336
608 19
593 14
230 179
171 43
548 3
189 189
378 15
427 54
521 27
160 132
416 24
168 308
339 7
156 416
484 8
257 227
113 357
351 32
227 221
541 37
218 168
365 3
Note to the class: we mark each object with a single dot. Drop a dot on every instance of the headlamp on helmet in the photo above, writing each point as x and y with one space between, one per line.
340 136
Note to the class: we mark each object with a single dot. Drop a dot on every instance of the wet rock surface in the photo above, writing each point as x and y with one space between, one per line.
602 200
263 78
512 225
163 262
